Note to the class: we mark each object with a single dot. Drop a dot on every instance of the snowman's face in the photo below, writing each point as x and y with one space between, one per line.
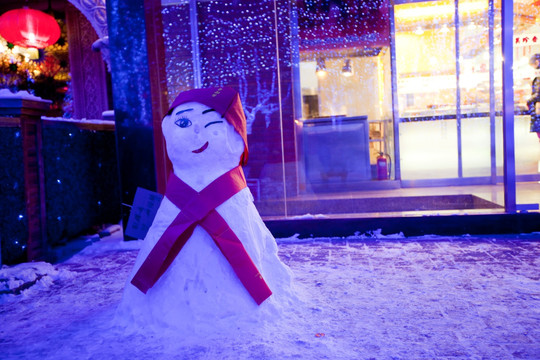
197 136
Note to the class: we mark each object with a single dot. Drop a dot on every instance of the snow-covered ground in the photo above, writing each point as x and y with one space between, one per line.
364 297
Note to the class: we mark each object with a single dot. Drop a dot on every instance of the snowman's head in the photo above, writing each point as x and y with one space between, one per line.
205 128
197 136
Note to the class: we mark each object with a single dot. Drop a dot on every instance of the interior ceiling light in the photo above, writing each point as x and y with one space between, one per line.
445 29
320 70
29 28
347 68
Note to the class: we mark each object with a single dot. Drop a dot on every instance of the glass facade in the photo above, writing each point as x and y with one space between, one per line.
363 108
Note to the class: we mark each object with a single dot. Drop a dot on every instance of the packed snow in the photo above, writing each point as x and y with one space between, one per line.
367 296
200 291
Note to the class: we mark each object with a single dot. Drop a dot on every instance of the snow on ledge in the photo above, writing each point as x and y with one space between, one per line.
79 121
308 216
358 236
23 95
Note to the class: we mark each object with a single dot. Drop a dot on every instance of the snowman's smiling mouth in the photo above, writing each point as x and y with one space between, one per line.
201 149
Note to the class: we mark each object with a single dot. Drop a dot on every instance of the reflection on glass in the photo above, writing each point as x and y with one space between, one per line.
177 47
477 148
315 80
345 76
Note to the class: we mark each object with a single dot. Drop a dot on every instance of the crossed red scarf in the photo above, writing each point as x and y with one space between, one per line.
198 208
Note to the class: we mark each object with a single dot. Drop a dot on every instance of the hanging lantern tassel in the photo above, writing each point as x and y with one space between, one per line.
29 28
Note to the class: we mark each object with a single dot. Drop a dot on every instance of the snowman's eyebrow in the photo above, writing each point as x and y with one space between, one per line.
213 122
208 110
182 111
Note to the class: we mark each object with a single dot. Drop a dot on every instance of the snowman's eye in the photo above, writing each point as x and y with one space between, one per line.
183 122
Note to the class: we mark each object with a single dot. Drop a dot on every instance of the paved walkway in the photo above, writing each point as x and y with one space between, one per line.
365 298
422 298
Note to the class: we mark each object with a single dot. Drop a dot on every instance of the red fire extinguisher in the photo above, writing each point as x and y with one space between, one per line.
383 166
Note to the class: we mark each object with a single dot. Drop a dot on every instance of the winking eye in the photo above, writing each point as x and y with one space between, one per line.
213 122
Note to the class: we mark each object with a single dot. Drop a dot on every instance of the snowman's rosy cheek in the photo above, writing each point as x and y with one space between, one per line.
216 131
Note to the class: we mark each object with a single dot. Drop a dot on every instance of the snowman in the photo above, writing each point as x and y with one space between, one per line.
208 262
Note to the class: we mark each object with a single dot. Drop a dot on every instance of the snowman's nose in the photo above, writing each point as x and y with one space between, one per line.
196 128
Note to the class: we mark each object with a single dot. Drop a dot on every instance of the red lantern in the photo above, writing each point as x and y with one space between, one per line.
29 28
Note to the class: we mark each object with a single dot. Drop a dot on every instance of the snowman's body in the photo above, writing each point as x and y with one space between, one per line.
200 291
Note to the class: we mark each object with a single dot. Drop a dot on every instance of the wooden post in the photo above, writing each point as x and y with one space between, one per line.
29 110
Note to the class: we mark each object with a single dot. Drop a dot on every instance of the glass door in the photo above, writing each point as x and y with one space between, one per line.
344 83
526 56
448 91
425 52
